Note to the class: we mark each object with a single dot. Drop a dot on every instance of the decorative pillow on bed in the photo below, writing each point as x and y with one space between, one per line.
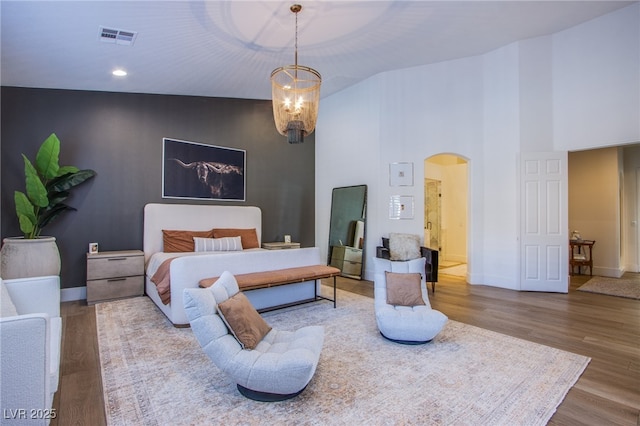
244 322
404 289
248 236
404 246
217 244
181 241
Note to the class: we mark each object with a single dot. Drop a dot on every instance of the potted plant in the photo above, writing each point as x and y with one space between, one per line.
47 186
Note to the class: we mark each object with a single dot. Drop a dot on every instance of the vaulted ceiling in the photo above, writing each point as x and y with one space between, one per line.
229 48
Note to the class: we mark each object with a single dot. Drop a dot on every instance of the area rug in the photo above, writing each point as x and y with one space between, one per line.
155 374
621 287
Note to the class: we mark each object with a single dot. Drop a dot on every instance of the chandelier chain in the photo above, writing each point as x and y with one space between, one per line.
296 42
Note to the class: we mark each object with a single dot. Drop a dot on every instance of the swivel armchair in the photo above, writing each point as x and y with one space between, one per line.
278 367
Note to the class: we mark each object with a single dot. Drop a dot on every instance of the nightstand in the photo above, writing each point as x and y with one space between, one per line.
114 275
348 260
280 246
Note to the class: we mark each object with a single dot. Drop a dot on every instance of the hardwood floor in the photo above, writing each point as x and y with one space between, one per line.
605 328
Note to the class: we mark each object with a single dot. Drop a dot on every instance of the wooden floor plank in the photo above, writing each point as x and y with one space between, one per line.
605 328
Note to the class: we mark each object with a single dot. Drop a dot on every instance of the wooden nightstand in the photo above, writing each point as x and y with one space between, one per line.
348 260
280 246
114 275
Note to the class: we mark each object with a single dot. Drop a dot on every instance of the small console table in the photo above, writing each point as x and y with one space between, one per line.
580 254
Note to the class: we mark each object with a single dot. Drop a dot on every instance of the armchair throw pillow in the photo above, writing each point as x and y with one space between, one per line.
404 289
244 322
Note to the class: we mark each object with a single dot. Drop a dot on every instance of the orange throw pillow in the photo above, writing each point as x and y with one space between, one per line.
248 237
175 241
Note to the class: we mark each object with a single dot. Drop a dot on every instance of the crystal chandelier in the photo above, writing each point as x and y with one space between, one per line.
295 92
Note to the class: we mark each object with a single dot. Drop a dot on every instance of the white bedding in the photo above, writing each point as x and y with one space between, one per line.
189 268
157 259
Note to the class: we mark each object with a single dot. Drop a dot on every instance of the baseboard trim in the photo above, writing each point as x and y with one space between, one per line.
606 272
73 293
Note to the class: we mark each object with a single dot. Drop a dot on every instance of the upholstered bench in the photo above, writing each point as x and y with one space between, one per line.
277 277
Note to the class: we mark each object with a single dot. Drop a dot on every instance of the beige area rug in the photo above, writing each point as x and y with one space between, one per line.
155 374
621 287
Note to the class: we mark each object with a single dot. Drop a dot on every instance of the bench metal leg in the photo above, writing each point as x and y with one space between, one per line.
318 296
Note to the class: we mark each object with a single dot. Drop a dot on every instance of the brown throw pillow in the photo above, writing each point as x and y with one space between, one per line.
244 322
181 241
249 237
404 289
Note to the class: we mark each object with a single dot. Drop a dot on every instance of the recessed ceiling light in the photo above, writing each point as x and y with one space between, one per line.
119 73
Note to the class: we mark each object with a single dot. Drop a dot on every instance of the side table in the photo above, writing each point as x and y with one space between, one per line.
114 275
581 254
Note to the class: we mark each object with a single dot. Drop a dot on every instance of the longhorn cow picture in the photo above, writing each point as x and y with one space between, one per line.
200 171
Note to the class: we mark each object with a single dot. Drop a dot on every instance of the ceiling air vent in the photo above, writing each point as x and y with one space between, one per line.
112 35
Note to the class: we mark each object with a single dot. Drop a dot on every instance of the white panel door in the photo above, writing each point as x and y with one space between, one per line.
544 235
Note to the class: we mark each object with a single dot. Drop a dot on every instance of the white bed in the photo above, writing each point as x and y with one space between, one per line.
187 269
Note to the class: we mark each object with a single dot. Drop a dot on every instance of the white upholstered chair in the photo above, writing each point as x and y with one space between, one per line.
404 324
30 341
278 368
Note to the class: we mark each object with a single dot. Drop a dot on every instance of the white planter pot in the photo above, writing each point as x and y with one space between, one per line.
24 258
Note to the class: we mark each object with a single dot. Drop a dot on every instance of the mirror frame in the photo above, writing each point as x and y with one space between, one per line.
341 228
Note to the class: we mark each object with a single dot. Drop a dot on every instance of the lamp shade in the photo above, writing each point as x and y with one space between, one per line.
295 93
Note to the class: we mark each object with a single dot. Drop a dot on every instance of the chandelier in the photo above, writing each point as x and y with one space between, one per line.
295 91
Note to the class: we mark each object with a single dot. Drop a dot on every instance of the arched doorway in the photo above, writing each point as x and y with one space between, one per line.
446 211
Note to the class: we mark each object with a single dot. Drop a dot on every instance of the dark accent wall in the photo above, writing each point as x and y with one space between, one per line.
119 135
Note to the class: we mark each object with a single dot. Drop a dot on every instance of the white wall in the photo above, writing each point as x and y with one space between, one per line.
347 153
486 109
536 94
404 116
500 147
596 82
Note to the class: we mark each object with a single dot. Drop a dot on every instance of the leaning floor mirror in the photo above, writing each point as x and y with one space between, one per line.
347 230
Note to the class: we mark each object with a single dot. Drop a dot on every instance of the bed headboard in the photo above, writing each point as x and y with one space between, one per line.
192 217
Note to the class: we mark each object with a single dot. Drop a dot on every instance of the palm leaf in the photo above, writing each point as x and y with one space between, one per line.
48 215
68 181
67 169
47 157
57 197
36 191
25 212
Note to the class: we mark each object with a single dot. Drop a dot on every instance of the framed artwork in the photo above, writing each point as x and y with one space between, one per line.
401 207
401 174
199 171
